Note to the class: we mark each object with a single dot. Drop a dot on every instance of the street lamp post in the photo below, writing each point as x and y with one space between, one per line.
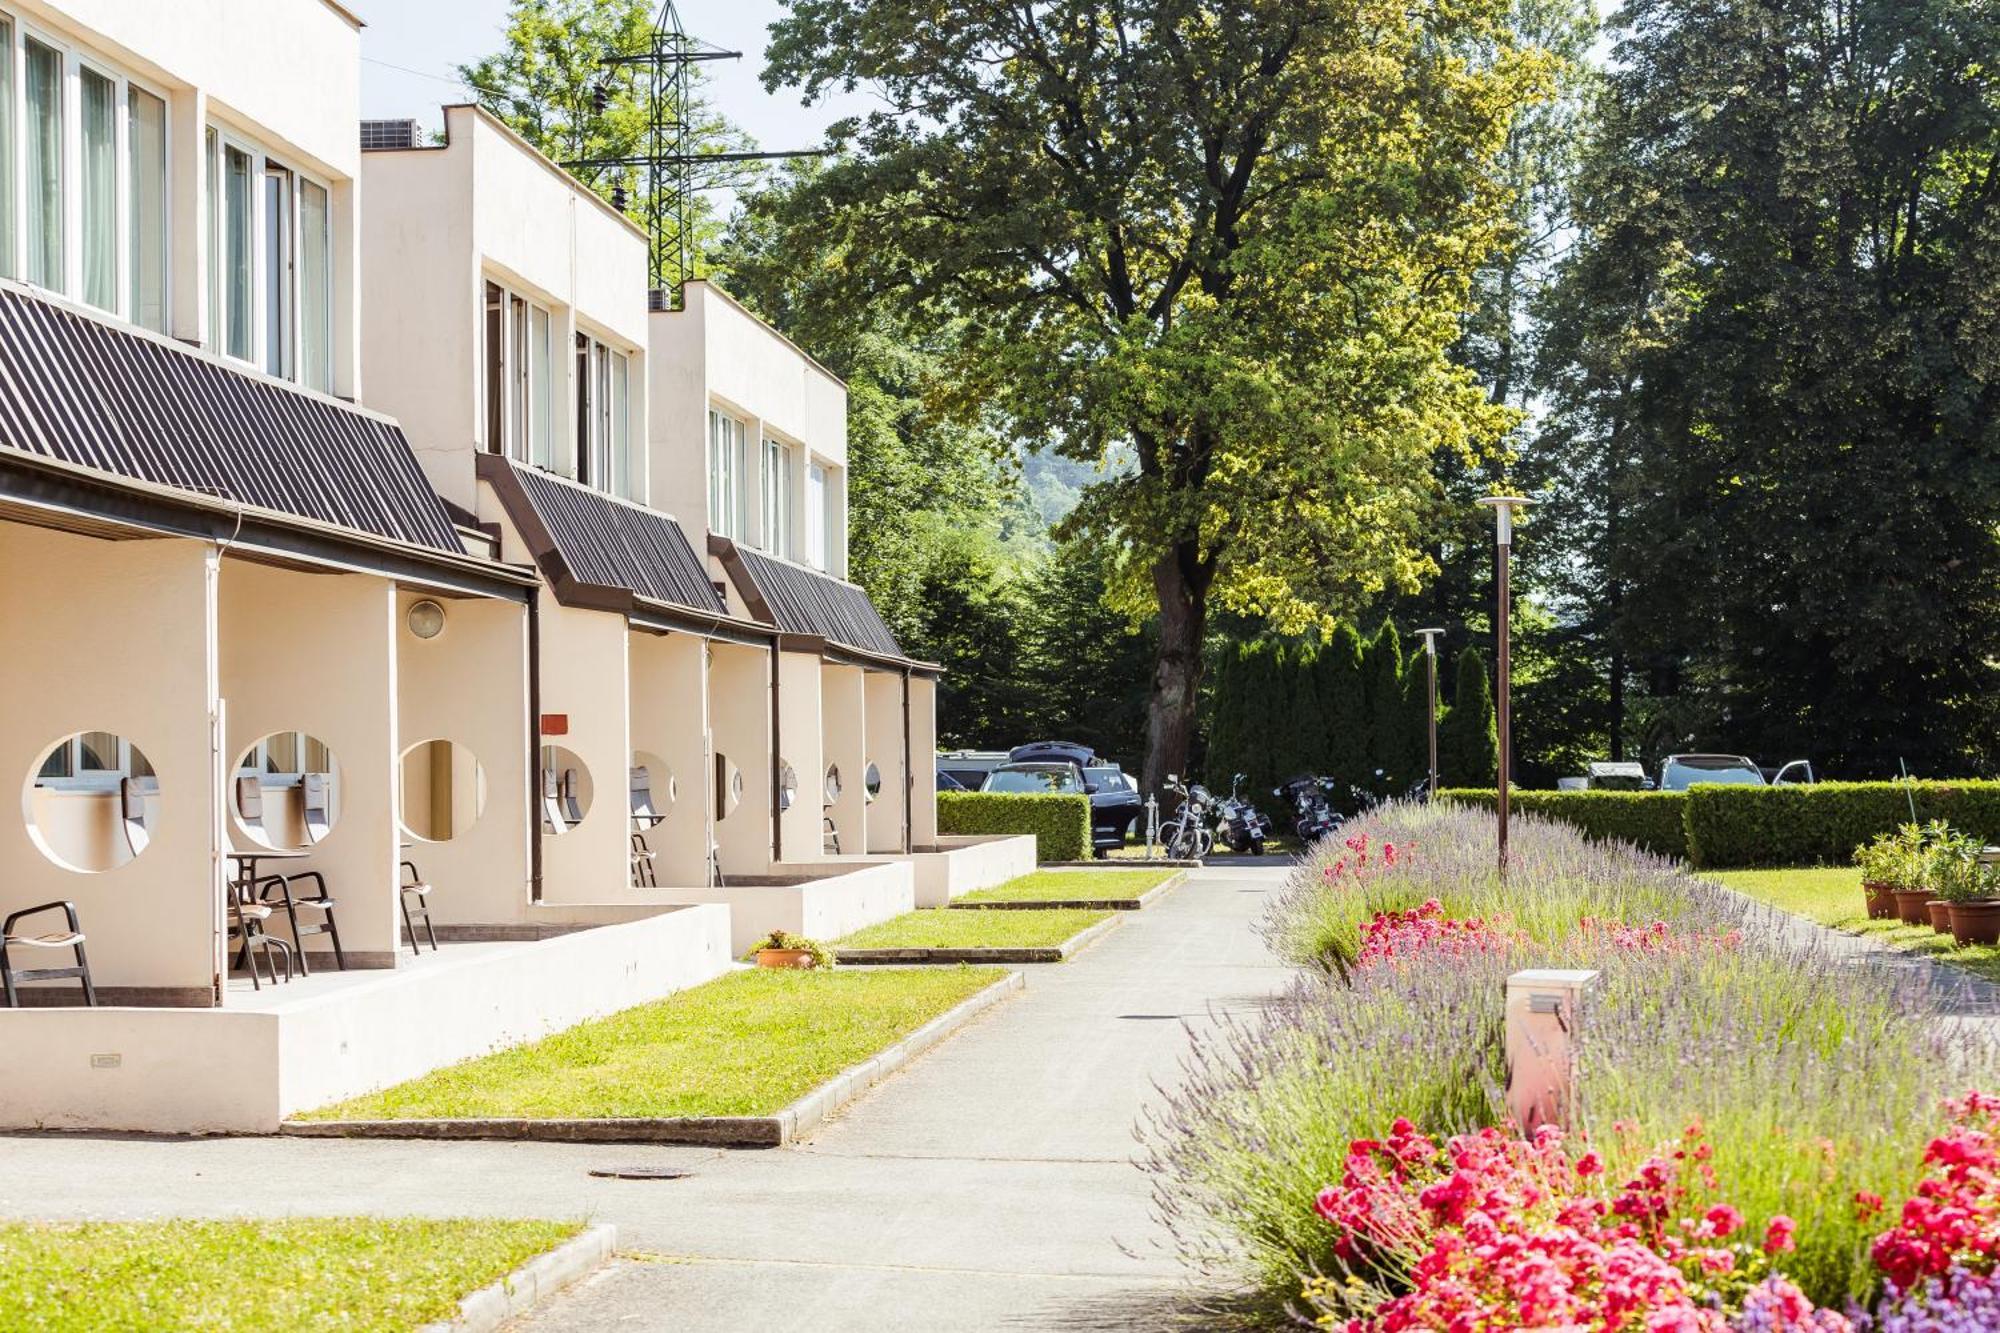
1503 507
1430 638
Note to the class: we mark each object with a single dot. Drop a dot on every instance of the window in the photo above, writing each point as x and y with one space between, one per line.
728 507
818 528
45 166
238 254
148 174
99 163
7 119
779 474
280 265
315 286
519 407
603 417
92 760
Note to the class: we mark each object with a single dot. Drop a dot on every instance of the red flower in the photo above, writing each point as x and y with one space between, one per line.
1721 1221
1778 1235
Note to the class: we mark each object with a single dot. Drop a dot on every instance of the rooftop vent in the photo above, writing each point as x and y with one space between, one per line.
379 134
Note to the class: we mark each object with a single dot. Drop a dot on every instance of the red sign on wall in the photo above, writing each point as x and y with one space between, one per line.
555 724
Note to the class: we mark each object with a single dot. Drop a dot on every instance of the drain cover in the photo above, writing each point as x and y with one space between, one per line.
639 1173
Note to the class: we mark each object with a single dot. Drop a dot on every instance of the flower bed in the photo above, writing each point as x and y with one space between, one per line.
1812 1084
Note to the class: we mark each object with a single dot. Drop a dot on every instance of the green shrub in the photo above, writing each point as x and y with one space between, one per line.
1060 824
1650 820
1823 824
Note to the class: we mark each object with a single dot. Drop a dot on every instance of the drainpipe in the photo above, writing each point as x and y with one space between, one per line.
535 744
777 766
909 774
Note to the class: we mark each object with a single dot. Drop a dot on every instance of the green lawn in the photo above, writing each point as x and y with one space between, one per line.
345 1273
1058 885
745 1044
942 928
1832 897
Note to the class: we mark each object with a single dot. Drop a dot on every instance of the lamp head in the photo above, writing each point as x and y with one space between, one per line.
1430 638
1503 507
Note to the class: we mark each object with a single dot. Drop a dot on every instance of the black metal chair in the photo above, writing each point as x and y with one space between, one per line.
414 887
829 837
572 806
132 793
318 792
69 938
248 916
644 817
552 813
319 900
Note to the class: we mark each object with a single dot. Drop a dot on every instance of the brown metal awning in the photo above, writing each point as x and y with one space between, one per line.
814 612
611 555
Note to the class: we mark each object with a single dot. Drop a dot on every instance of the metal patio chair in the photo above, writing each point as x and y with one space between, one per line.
644 818
71 937
413 886
275 892
247 919
132 793
572 807
552 814
318 789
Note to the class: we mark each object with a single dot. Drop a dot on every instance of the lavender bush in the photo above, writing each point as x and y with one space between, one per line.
1962 1303
1814 1078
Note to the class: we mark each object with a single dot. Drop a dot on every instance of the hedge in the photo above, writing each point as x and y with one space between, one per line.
1653 820
1716 826
1061 824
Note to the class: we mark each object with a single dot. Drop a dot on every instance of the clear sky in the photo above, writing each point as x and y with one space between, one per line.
429 37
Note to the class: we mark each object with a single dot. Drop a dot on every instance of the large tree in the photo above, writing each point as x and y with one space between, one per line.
1234 241
1774 369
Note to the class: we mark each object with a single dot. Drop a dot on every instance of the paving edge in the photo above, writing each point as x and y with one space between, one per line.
1146 899
1050 953
1123 863
540 1278
790 1124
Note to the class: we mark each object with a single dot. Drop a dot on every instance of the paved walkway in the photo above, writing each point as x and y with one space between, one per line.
988 1186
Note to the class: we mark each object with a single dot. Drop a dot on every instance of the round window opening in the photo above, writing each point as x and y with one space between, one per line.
566 790
728 787
284 793
832 783
442 792
655 789
788 786
871 782
92 802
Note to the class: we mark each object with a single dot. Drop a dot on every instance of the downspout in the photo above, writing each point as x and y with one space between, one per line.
909 774
535 744
777 766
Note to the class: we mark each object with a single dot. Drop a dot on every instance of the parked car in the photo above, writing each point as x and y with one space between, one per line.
1049 779
946 782
1678 772
1115 803
968 768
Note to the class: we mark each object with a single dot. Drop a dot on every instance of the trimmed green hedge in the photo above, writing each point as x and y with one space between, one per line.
1061 824
1718 827
1652 820
1822 824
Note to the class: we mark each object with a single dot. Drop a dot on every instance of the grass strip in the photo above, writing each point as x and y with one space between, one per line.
1071 885
749 1043
1831 895
942 928
356 1274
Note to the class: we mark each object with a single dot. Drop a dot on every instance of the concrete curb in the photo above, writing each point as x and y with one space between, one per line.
789 1125
1123 863
537 1280
1145 899
1051 953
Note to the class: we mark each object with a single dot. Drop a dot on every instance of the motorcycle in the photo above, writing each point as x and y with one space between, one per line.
1313 816
1186 835
1238 824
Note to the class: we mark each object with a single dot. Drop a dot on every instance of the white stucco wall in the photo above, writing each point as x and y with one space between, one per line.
801 742
670 723
923 754
843 742
585 678
739 711
440 223
885 739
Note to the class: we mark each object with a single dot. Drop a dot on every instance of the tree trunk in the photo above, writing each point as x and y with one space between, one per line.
1181 579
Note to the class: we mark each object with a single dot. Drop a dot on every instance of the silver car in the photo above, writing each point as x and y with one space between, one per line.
1680 771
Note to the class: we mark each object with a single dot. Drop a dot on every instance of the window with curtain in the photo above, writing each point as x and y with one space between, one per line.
315 287
728 509
44 212
492 322
541 383
147 137
779 477
239 251
98 166
280 258
621 426
517 379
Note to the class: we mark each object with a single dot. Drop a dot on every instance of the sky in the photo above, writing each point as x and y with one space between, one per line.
409 49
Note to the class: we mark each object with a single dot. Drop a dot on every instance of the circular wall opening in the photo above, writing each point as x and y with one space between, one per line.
91 802
284 792
566 790
871 781
441 792
788 786
728 787
832 783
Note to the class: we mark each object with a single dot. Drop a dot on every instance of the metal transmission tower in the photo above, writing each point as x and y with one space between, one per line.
670 161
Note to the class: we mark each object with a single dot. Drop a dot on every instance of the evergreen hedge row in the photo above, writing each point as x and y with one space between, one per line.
1060 824
1652 820
1724 827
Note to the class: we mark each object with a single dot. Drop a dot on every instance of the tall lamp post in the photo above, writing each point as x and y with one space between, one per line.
1503 507
1430 638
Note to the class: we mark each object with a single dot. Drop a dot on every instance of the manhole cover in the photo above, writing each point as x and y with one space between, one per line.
639 1173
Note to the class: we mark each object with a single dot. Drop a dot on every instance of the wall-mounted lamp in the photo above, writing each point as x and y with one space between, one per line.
425 619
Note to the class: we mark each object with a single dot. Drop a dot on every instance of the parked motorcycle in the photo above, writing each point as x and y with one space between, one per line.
1186 834
1313 815
1238 824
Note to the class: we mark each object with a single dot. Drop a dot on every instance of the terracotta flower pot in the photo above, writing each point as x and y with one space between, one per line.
1976 922
795 958
1940 911
1881 901
1910 906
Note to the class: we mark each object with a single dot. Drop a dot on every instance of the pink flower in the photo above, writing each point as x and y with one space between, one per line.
1778 1235
1590 1164
1721 1221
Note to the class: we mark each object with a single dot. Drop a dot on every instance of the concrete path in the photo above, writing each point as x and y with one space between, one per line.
988 1186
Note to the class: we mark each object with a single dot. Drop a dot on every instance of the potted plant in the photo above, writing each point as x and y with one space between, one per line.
1971 886
1882 864
1910 884
781 948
